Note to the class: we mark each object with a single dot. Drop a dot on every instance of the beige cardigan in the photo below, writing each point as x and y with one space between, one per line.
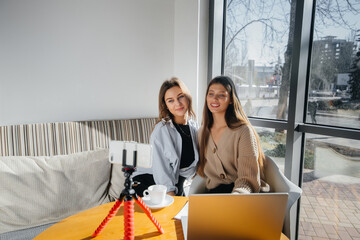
234 160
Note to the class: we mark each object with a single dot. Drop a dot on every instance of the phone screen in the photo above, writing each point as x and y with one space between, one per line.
143 153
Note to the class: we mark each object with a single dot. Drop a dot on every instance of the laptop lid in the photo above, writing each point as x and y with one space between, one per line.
236 216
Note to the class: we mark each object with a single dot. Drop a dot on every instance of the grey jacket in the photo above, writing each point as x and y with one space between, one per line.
166 142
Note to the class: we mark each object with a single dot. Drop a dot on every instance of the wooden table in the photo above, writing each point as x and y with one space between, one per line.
83 224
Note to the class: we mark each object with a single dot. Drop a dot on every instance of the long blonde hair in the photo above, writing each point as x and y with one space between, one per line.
234 117
164 112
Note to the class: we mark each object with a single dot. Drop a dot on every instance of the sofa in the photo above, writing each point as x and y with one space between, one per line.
50 171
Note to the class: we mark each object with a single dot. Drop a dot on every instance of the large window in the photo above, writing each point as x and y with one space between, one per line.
331 184
256 40
331 180
296 66
334 81
273 144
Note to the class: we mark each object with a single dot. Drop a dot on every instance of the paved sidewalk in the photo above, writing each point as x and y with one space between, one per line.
329 209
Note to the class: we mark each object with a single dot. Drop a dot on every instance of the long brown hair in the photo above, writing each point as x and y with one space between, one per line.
164 112
234 117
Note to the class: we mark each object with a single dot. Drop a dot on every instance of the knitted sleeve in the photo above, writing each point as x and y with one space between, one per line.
248 172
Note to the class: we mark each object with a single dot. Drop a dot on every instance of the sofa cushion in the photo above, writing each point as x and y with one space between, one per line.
117 181
40 190
25 234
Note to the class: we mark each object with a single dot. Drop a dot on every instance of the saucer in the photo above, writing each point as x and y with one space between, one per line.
167 202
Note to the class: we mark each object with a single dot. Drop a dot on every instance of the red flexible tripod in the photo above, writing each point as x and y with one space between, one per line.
128 194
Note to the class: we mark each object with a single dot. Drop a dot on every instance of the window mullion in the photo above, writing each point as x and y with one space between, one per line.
299 69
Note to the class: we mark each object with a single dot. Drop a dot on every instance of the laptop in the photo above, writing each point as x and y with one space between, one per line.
235 216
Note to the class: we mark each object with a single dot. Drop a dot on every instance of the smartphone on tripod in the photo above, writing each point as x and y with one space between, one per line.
129 153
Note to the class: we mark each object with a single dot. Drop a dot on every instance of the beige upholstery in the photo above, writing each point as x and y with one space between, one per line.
49 171
60 138
117 182
41 190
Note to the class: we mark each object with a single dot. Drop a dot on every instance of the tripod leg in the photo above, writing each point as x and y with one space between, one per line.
111 214
129 227
148 213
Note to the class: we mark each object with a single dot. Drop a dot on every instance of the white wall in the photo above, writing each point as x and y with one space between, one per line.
203 56
65 60
191 47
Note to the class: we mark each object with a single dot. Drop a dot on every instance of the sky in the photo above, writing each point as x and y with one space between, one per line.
278 12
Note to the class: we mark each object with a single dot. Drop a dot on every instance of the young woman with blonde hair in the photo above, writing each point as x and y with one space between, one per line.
231 157
174 142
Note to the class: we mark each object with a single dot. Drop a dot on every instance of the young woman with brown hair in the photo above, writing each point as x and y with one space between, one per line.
174 141
231 157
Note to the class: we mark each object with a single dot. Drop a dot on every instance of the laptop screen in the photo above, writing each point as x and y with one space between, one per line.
236 216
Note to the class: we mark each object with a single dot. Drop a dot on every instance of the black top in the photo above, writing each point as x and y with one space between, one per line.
187 151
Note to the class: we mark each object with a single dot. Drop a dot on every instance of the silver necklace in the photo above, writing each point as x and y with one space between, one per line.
187 135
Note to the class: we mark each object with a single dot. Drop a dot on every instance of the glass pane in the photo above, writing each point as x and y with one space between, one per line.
330 204
273 144
334 89
257 56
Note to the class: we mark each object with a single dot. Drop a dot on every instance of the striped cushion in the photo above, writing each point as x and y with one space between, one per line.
48 139
67 145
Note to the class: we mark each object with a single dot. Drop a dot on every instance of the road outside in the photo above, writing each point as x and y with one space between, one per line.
266 108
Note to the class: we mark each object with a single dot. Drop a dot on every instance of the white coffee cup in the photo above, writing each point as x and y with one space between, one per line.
156 193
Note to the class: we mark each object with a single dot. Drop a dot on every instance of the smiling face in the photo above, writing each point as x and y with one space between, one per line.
177 103
218 98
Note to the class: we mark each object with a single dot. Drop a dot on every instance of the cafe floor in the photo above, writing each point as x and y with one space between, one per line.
330 208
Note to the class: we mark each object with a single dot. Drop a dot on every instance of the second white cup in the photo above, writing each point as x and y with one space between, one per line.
156 193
